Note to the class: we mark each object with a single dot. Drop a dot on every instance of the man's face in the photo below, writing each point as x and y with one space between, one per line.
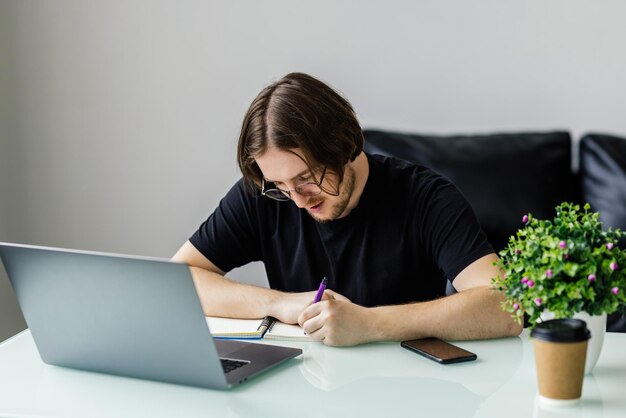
288 169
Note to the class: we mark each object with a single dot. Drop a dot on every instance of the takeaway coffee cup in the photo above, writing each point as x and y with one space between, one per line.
560 351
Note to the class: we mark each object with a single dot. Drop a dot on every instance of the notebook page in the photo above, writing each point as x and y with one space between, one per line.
282 331
234 328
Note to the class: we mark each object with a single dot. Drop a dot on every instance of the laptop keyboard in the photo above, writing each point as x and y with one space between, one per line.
229 365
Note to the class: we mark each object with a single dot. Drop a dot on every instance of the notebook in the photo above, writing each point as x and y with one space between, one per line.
131 316
268 328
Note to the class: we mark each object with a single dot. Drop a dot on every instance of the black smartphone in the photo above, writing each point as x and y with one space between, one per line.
438 350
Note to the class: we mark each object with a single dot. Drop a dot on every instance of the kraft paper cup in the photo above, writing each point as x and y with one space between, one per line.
560 351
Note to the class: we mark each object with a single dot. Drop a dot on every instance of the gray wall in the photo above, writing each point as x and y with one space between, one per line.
5 149
125 115
11 320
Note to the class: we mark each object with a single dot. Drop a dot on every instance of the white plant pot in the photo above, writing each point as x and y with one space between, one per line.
597 326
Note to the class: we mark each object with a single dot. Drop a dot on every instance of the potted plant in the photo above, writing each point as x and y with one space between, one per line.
563 268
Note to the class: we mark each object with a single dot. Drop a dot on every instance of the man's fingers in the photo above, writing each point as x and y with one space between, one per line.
336 296
313 327
310 312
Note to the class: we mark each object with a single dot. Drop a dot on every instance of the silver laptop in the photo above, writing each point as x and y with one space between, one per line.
129 316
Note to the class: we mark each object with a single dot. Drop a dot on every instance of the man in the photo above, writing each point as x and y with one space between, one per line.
389 235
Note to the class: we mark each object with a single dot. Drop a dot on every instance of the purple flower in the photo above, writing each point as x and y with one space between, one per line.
538 301
517 251
615 290
562 244
525 218
613 266
548 273
530 284
591 277
609 246
524 280
565 256
516 306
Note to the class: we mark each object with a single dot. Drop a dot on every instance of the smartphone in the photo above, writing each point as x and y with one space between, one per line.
438 350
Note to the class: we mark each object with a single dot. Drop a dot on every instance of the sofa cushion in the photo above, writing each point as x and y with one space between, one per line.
603 180
503 176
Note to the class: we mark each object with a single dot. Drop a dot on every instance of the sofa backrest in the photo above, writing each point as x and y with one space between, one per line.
503 176
603 178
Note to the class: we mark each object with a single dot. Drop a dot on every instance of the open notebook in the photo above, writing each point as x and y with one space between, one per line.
255 329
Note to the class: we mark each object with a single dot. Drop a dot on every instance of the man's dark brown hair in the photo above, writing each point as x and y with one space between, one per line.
299 111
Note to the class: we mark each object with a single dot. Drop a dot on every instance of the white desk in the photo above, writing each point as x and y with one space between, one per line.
377 380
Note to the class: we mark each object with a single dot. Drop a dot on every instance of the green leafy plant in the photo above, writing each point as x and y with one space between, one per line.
566 265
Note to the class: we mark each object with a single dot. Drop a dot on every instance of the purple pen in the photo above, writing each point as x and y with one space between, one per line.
320 291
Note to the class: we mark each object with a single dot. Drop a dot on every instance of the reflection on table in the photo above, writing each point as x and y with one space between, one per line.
369 380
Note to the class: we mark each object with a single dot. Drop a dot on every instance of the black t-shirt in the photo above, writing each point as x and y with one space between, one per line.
411 232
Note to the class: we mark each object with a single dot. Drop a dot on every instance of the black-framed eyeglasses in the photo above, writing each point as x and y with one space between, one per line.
307 189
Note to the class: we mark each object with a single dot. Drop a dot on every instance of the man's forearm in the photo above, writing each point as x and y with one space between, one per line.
471 314
220 296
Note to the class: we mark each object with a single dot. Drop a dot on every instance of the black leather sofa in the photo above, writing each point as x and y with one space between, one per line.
505 176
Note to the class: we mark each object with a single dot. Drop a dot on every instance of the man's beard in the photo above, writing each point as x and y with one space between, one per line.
347 188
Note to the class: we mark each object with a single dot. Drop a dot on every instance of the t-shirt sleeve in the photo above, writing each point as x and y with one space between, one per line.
452 234
229 237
